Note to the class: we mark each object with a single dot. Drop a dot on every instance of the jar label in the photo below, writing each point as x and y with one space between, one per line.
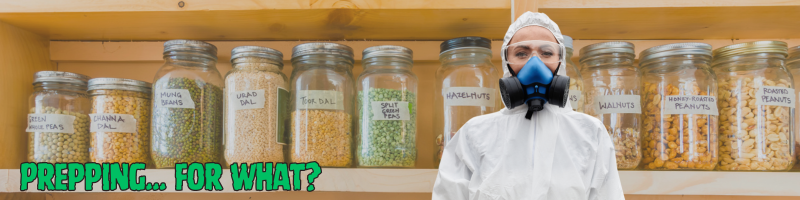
469 96
53 123
690 104
574 96
617 104
247 99
319 99
391 110
119 123
283 115
174 98
775 96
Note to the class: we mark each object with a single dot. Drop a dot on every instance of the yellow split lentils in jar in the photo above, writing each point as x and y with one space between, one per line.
120 120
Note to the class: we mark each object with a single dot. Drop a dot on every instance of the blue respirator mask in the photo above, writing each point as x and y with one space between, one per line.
534 84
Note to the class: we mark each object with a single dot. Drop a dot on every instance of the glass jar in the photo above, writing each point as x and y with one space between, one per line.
679 92
322 101
120 120
575 83
58 123
611 84
466 86
755 106
793 65
187 105
256 106
387 102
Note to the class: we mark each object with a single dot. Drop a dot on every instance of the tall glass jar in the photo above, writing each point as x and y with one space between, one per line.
575 83
322 101
466 86
756 107
256 106
793 64
679 93
187 105
58 121
387 108
612 95
120 120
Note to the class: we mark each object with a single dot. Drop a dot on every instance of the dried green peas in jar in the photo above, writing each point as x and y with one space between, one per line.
388 129
58 147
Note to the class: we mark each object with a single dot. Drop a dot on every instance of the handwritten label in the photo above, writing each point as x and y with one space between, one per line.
775 96
617 104
319 99
119 123
690 104
54 123
469 96
174 98
391 110
574 96
247 99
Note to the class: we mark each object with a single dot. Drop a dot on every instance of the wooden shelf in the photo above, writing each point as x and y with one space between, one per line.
422 180
396 20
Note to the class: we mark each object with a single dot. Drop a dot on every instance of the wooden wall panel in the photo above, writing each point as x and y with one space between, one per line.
22 53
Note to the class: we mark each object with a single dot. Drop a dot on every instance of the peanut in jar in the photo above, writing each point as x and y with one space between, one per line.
120 131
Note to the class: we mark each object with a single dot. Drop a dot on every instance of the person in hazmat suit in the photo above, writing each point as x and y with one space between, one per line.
553 153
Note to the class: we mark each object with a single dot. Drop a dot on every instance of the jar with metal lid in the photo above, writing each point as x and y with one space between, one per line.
793 65
387 102
756 106
58 121
575 83
256 106
680 115
120 120
322 100
187 105
466 86
611 84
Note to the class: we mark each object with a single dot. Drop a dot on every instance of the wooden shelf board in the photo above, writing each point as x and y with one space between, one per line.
422 180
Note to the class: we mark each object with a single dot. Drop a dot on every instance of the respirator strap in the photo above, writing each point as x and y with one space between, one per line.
511 70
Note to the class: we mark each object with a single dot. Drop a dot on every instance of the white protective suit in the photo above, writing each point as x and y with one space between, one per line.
492 156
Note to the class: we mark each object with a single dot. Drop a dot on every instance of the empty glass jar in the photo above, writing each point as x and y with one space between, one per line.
466 86
680 112
611 85
187 105
387 114
58 121
575 83
793 65
120 120
756 105
322 101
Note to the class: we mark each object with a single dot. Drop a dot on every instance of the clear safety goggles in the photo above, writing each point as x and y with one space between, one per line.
519 53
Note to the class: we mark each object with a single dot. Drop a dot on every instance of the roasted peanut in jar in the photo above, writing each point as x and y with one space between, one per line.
120 120
756 102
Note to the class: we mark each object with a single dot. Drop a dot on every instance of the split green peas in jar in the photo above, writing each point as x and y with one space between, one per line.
388 128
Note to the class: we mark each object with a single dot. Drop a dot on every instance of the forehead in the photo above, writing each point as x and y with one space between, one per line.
533 33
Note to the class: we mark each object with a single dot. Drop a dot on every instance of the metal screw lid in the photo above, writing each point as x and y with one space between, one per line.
60 77
606 47
568 42
257 51
794 55
322 48
387 50
471 41
751 47
119 84
190 45
691 48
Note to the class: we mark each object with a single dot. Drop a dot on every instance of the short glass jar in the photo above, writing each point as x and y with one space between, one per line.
611 84
187 105
387 108
120 120
680 115
256 106
58 121
466 86
322 88
575 80
756 128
